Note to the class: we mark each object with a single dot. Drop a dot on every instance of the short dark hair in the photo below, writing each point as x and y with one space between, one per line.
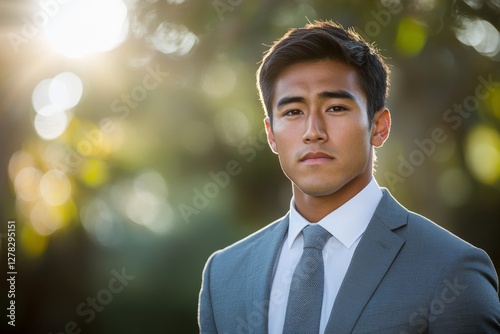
325 40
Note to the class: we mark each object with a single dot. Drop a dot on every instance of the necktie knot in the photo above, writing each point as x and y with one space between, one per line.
315 236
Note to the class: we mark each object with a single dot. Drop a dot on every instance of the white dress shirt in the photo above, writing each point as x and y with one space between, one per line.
346 224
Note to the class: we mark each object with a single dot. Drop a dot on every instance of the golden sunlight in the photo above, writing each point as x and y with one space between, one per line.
85 27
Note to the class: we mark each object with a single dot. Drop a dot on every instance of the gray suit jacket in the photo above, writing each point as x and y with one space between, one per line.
407 275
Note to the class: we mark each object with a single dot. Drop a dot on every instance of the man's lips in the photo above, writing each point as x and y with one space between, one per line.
316 158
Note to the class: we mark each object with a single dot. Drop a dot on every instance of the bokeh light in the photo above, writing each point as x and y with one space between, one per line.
51 99
18 161
479 34
219 80
45 218
98 220
85 27
55 187
173 39
482 153
27 183
65 90
232 126
411 36
32 242
51 126
40 96
93 173
143 200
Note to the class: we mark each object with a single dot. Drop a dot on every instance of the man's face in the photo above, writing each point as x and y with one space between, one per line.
320 129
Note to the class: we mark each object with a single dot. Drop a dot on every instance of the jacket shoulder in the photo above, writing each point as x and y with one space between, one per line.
417 229
431 235
244 246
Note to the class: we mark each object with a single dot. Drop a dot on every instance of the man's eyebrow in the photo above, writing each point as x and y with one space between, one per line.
289 99
336 94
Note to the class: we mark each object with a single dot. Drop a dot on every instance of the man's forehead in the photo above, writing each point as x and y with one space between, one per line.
313 79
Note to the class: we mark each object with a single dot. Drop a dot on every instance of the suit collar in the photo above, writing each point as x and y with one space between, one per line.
346 223
260 272
374 255
390 212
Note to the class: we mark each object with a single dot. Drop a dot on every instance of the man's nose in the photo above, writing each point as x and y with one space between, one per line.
315 129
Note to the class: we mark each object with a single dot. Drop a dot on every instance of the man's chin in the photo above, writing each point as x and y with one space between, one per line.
318 190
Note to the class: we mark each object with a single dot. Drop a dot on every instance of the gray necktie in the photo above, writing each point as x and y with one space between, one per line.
303 311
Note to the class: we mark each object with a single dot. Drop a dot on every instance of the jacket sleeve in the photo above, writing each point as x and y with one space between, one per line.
466 297
206 319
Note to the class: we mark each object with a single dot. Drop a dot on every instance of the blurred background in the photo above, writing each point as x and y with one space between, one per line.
132 144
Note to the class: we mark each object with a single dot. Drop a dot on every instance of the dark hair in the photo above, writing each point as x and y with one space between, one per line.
322 40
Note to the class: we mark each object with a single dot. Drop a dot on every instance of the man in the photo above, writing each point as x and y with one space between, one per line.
347 258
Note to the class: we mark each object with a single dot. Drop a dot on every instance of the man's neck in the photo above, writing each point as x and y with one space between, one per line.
315 208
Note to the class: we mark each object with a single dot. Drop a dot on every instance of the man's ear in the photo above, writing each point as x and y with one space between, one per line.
270 135
381 127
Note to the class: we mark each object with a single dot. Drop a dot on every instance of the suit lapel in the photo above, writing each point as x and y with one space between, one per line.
260 272
374 255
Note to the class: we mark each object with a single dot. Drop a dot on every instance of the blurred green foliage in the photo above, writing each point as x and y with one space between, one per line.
163 159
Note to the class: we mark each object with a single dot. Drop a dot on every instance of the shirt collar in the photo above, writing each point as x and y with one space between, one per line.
346 223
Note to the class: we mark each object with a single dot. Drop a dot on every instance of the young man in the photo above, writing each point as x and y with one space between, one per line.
347 257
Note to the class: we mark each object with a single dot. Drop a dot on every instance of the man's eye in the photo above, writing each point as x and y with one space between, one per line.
292 112
336 108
